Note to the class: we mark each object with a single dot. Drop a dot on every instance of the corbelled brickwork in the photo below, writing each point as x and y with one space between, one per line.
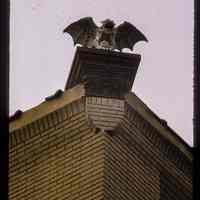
86 145
105 113
62 161
141 164
70 154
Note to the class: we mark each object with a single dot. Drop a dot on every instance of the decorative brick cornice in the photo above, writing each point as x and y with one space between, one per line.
167 149
47 107
105 113
51 120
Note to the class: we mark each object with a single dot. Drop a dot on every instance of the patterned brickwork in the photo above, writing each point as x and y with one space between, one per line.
127 174
63 161
166 149
136 169
96 148
97 140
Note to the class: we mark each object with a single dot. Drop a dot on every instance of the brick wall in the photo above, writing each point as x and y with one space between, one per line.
64 161
136 169
96 148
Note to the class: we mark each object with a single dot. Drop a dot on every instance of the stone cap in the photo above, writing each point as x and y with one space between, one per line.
106 73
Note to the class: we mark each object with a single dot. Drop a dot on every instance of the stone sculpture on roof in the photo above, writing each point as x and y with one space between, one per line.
107 36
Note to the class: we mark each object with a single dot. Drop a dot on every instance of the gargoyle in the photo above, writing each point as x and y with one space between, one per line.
107 36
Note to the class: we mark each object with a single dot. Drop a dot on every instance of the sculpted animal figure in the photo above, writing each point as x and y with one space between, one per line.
107 36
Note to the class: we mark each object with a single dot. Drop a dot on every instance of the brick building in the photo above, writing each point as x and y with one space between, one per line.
97 140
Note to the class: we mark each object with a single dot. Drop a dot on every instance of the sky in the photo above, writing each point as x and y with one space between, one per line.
41 55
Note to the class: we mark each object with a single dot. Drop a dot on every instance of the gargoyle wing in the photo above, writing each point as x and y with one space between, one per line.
82 30
127 36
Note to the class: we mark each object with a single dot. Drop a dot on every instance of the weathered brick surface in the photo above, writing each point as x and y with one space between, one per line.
137 170
63 156
61 162
128 174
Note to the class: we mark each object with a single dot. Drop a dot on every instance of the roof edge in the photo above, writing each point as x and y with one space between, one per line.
156 122
46 107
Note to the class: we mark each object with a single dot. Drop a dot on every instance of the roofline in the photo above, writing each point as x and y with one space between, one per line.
157 122
78 91
46 107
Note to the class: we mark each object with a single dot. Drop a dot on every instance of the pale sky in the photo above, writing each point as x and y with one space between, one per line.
41 55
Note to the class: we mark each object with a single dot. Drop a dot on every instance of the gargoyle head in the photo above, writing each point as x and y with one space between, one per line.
108 23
